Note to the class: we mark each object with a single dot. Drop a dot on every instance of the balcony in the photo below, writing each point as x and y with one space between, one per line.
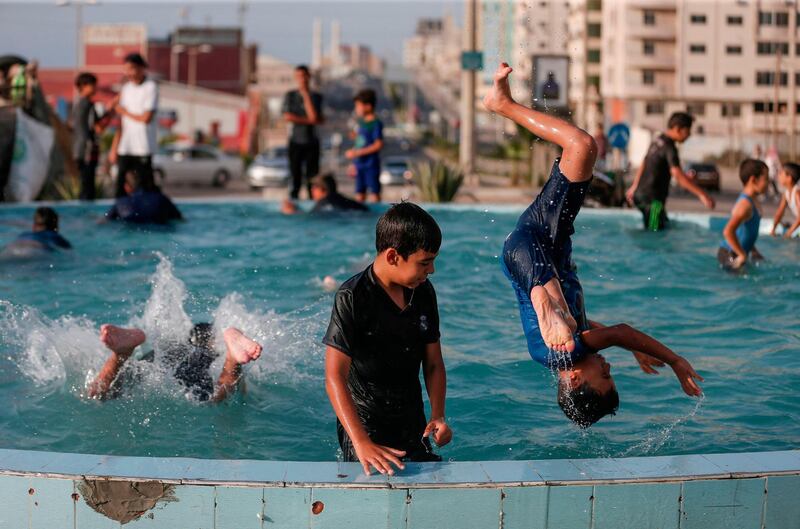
660 62
662 32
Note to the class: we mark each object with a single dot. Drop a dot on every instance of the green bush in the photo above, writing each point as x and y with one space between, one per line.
437 181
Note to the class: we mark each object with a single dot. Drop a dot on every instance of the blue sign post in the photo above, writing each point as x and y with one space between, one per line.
619 135
472 60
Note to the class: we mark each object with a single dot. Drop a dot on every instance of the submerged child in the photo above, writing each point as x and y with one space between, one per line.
741 232
789 178
188 361
142 204
537 259
384 326
43 237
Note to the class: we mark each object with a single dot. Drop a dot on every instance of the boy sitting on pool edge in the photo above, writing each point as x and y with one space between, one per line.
537 259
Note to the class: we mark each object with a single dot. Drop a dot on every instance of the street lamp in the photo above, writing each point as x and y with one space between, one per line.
78 26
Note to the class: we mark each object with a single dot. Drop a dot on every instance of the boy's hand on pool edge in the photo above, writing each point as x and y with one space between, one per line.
442 434
380 457
686 375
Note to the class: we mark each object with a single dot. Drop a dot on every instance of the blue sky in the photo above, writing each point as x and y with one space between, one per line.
43 30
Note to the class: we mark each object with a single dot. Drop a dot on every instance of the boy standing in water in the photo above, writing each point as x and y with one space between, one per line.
537 259
384 326
366 152
741 231
789 178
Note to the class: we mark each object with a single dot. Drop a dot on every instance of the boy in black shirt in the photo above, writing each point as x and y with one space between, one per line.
384 325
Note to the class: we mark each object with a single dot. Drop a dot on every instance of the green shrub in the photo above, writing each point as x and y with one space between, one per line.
437 181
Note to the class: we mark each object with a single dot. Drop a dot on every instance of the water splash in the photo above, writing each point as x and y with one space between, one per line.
655 441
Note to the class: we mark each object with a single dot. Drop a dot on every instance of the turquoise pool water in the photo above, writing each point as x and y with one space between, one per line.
244 264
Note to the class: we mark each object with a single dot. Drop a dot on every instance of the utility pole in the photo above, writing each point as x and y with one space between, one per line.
466 150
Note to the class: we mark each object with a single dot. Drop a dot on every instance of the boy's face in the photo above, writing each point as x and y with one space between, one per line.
302 78
413 271
88 90
133 72
762 182
785 180
318 193
596 371
362 109
683 133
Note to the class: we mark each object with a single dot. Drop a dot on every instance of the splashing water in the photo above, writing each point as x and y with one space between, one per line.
656 440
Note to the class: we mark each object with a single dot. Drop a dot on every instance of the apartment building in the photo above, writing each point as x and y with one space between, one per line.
734 65
584 47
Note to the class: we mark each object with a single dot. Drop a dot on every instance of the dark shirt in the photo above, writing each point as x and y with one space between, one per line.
386 345
48 239
84 143
368 133
144 207
337 202
293 104
654 183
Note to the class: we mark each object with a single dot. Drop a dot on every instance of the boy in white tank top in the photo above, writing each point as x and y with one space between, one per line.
789 179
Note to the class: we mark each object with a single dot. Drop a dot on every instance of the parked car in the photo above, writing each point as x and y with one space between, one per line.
396 171
270 168
706 175
198 164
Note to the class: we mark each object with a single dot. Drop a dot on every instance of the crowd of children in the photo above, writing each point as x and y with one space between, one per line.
384 325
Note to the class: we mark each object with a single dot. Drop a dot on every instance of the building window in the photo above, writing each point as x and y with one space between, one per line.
733 80
697 79
648 47
593 80
768 78
731 110
696 109
764 18
593 30
761 107
697 48
797 46
697 19
593 56
733 49
772 48
782 19
649 18
648 77
735 20
797 79
654 107
594 5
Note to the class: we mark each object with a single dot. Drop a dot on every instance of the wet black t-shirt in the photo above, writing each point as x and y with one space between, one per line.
387 345
654 183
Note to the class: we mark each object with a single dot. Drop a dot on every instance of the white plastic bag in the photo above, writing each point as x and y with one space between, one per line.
32 144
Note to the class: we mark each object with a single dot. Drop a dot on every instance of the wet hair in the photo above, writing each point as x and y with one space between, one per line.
302 68
366 96
584 406
681 120
407 228
751 168
793 170
326 181
136 59
85 78
46 217
202 335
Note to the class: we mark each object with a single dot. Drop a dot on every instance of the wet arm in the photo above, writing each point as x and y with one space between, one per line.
741 212
435 379
779 214
625 336
687 183
337 368
98 389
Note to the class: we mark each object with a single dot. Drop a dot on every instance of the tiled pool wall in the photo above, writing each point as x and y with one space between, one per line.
727 491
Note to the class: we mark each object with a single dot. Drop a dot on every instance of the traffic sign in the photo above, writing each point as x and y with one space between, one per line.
618 135
472 60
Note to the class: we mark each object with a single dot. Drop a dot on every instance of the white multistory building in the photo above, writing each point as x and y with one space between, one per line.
734 65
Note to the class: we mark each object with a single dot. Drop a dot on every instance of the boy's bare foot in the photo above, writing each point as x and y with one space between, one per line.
241 349
120 340
500 94
553 288
553 325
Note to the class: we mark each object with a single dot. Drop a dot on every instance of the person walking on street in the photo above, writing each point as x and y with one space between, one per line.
303 109
135 142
